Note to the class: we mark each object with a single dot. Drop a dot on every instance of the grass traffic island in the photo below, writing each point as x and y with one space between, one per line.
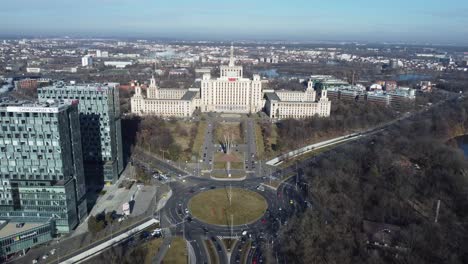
231 129
177 253
221 160
213 206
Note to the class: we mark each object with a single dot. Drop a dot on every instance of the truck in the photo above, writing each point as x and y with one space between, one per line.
126 209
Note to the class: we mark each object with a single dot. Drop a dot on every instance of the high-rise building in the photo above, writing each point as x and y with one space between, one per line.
100 126
87 61
41 166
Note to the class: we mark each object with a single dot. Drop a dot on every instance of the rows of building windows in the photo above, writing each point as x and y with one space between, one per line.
16 239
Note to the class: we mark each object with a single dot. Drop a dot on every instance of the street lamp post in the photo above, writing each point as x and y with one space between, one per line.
297 176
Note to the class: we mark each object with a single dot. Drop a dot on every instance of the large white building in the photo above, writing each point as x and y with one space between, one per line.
230 93
87 61
296 104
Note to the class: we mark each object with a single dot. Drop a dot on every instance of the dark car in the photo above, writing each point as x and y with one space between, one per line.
145 235
129 242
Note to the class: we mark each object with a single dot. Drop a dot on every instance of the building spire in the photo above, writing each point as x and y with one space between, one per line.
152 82
231 58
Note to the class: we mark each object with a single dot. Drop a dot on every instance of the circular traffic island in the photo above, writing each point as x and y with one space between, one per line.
213 206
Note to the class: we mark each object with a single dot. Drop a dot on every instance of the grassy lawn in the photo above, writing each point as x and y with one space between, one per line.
259 141
271 140
234 165
199 139
177 253
184 136
213 206
152 248
229 128
235 158
182 130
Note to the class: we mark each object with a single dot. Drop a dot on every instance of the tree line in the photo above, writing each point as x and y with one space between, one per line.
345 118
396 178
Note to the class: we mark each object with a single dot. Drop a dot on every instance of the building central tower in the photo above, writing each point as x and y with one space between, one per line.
231 92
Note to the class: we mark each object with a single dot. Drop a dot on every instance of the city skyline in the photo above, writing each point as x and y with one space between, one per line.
364 20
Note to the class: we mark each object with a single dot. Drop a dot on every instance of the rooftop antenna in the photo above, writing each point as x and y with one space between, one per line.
231 58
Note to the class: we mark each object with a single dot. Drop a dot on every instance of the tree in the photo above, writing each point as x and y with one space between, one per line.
94 225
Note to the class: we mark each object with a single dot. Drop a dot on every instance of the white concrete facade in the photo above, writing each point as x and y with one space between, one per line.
230 93
294 104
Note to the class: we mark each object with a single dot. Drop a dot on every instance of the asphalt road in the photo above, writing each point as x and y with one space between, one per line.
282 204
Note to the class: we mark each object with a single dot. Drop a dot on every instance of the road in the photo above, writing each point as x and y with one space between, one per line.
251 151
283 202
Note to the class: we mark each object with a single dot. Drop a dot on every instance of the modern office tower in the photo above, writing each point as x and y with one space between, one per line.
100 127
41 166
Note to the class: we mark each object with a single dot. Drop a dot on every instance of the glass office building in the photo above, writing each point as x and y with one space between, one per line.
20 236
41 164
100 126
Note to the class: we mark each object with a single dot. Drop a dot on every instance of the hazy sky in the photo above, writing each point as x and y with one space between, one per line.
436 21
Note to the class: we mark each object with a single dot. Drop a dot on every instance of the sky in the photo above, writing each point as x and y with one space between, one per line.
417 21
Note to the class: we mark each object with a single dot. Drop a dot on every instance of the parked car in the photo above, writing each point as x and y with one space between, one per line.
145 235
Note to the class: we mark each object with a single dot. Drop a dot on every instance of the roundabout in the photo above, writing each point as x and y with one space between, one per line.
228 206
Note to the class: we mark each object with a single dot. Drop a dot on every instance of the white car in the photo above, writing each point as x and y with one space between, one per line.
45 256
52 251
157 232
187 211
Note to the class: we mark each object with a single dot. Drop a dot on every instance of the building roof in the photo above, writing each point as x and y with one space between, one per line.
189 95
272 97
62 85
10 228
49 106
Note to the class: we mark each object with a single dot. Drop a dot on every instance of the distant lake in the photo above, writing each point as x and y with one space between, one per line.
413 77
462 142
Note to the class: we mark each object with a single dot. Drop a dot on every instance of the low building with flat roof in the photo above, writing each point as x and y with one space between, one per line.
18 237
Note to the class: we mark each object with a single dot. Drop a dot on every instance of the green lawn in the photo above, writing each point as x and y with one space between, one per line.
152 248
199 139
177 253
213 206
259 141
231 129
223 165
